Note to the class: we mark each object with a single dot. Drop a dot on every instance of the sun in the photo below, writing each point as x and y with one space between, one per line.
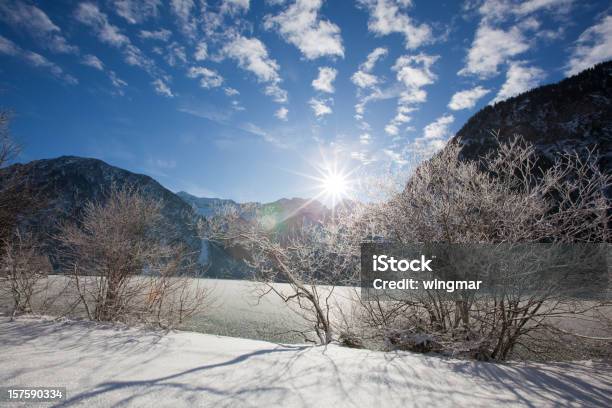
335 184
333 181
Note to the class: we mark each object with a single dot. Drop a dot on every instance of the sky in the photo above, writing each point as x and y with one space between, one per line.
247 99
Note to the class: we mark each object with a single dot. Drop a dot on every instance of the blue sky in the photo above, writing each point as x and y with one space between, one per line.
239 99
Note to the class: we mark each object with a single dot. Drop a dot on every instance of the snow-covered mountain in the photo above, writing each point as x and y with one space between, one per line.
281 213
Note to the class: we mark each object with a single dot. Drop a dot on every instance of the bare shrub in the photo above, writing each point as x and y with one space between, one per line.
506 198
123 268
313 259
23 271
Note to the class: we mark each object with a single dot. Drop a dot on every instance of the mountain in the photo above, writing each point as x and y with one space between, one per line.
282 216
280 213
63 186
206 207
571 115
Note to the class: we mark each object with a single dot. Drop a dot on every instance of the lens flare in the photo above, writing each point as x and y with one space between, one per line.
335 184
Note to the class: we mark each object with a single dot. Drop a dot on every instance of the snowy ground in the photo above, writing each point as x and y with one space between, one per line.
103 366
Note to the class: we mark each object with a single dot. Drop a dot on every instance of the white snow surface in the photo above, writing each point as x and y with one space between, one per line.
103 366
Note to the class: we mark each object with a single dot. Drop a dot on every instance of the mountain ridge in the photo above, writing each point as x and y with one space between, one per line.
573 114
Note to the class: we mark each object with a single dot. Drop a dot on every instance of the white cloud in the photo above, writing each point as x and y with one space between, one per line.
136 11
373 58
201 52
37 24
175 54
7 47
281 113
252 55
116 81
363 157
237 106
300 25
425 148
278 94
439 128
492 47
396 157
367 85
90 15
231 91
162 88
388 16
93 61
501 10
363 78
414 73
159 35
209 78
365 138
593 46
324 82
134 56
320 107
519 78
467 99
392 129
234 6
184 12
435 136
256 130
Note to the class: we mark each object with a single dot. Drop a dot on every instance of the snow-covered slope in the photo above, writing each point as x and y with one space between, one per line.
103 366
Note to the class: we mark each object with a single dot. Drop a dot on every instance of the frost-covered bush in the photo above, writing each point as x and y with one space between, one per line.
505 198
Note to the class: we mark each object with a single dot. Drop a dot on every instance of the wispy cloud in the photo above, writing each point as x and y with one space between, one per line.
439 128
434 138
90 15
231 91
388 16
184 11
252 55
414 73
320 107
162 88
324 82
519 78
594 45
93 61
209 78
468 98
281 113
491 48
494 45
137 11
368 84
32 20
300 24
158 35
7 47
201 52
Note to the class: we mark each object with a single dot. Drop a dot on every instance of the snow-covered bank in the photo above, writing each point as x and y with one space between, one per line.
102 366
